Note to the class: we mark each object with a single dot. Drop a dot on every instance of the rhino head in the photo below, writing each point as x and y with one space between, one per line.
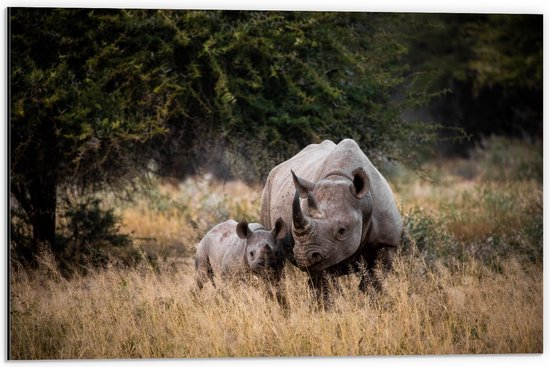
264 250
330 228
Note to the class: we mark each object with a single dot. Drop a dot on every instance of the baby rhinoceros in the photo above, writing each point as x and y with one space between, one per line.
240 248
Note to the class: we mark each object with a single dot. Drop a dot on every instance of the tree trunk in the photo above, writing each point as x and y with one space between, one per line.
38 198
35 188
43 197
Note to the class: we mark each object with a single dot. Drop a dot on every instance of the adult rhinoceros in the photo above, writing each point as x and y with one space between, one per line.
343 213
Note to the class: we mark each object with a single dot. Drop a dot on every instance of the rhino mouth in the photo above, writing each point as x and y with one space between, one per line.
309 260
261 267
267 264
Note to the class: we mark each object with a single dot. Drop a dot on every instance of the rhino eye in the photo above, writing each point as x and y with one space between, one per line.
251 253
341 232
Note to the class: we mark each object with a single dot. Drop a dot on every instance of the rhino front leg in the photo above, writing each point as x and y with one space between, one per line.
276 289
278 292
374 266
320 284
370 280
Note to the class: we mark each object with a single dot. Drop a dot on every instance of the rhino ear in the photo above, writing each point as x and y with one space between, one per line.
242 229
279 231
302 185
361 184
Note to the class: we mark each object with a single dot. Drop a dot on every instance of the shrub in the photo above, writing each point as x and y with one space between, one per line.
91 235
499 158
428 236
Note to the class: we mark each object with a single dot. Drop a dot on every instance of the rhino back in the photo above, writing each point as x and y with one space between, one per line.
222 246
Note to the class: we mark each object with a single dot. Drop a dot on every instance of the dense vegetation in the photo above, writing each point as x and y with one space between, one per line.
491 69
102 97
468 278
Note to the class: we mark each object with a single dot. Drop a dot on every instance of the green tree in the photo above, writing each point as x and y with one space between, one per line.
506 51
87 92
99 96
268 83
491 65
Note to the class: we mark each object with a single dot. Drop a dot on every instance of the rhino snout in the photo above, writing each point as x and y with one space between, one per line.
308 258
267 257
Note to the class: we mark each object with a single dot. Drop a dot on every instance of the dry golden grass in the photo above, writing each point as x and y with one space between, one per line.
140 313
177 216
433 301
475 209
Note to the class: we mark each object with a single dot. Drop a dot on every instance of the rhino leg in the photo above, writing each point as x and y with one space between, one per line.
204 271
280 294
375 264
369 280
320 284
277 291
275 288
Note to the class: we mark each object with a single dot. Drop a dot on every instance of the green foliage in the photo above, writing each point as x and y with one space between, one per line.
490 67
92 79
90 237
428 237
438 50
90 233
265 84
498 218
488 49
507 51
100 96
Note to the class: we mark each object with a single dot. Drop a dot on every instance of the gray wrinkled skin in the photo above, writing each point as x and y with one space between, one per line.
343 213
238 248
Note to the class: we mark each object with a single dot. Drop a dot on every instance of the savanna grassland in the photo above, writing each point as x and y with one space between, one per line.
467 279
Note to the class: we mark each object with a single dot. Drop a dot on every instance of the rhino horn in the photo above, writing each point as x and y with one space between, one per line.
302 185
299 220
